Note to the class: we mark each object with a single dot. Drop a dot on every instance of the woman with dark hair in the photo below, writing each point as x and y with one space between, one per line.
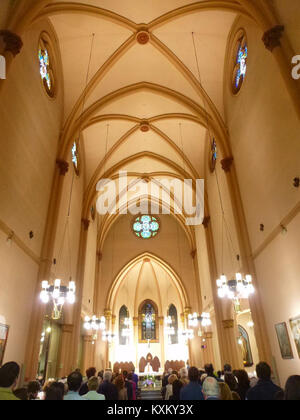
177 385
55 392
33 390
122 391
292 389
243 383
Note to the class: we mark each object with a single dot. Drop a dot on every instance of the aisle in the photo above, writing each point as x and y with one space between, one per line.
154 395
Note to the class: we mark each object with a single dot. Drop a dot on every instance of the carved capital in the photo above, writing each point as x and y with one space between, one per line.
206 221
63 166
135 321
67 328
88 338
208 335
113 319
161 320
13 43
227 163
187 311
86 224
108 314
228 323
272 37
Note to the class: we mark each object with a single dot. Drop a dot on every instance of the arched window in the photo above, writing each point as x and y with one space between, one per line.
213 155
146 226
172 312
75 157
244 343
46 65
240 62
123 314
148 322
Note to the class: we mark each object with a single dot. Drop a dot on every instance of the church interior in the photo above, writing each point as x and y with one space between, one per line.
128 106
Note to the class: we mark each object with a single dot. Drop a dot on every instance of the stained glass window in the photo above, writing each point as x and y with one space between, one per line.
45 67
148 322
213 155
172 312
146 227
123 315
240 68
75 157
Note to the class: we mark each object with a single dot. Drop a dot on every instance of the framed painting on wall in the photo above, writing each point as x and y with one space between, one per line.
295 327
3 340
284 341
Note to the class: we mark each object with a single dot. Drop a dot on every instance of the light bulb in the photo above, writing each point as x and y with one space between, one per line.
44 296
57 283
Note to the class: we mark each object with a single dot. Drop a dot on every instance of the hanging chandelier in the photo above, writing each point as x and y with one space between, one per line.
186 335
94 323
240 288
194 320
58 294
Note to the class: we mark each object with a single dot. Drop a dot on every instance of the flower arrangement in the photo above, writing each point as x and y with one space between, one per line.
149 382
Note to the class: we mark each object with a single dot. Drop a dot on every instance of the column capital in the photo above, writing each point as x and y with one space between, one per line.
271 38
206 221
161 320
135 321
63 166
67 328
113 319
208 335
227 163
108 314
187 311
228 323
85 223
13 42
88 338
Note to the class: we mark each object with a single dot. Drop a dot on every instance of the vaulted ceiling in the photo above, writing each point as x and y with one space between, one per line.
130 83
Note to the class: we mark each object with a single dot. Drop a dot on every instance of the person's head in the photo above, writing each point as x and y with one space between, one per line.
193 374
93 384
9 374
225 393
243 378
33 390
227 369
203 377
263 371
183 373
119 382
177 385
292 389
209 369
211 388
172 379
130 376
55 392
107 376
48 384
219 374
21 394
125 374
74 381
91 372
170 371
231 381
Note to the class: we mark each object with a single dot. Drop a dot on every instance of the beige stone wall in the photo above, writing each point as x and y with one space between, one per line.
264 133
29 130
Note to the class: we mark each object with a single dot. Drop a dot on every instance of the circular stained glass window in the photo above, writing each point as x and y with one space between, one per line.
146 227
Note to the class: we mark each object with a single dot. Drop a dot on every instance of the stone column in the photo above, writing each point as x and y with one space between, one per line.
162 341
255 300
232 354
207 348
38 310
64 366
85 223
108 316
88 355
136 341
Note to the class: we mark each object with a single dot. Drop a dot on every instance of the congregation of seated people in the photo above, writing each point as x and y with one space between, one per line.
186 385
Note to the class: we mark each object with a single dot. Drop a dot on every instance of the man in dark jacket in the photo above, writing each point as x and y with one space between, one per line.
89 374
192 391
265 390
108 389
128 386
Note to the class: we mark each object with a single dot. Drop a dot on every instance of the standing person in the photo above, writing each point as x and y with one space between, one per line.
209 370
211 389
134 386
177 386
74 384
135 378
265 390
169 388
184 376
292 389
122 391
128 386
90 373
243 383
9 374
92 395
192 391
107 388
55 392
